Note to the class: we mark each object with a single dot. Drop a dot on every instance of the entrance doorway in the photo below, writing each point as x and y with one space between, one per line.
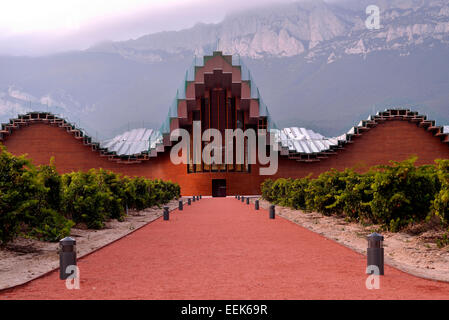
218 187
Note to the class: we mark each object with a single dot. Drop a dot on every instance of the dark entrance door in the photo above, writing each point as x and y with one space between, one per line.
218 187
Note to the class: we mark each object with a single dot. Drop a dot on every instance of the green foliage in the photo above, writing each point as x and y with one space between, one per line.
98 195
441 203
297 194
84 199
40 203
392 195
354 200
13 183
403 192
322 193
28 199
52 227
267 190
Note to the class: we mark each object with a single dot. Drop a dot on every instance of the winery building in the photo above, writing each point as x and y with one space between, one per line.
219 93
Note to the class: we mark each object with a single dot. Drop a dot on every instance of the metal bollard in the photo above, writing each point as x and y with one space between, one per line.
256 205
272 212
67 256
180 207
166 214
189 202
201 197
247 200
375 252
243 198
193 199
238 197
198 198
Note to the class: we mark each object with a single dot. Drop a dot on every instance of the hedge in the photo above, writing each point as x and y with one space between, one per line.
40 203
391 195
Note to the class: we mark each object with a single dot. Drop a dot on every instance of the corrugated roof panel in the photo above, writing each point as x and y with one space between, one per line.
289 133
305 146
300 133
313 147
297 146
133 142
283 139
321 144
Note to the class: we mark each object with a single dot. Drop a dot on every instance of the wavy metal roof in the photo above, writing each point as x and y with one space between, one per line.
133 142
306 141
301 144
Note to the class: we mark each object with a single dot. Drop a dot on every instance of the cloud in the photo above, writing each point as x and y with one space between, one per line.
72 30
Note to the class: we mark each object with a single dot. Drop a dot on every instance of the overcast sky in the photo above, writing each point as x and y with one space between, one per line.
36 27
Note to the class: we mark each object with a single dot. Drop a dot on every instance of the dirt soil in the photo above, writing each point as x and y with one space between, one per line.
413 251
26 259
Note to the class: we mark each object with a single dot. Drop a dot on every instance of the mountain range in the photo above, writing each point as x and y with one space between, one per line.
316 64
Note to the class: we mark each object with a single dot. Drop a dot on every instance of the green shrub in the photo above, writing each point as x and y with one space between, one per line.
267 189
281 188
440 205
322 193
29 197
85 198
40 203
392 195
297 193
355 199
403 192
113 188
13 183
99 195
51 227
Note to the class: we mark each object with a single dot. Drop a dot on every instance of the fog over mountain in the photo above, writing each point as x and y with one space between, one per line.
315 62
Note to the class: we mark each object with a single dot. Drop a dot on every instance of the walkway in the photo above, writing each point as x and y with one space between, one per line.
223 249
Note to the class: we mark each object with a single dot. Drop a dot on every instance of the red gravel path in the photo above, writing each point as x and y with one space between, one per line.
224 249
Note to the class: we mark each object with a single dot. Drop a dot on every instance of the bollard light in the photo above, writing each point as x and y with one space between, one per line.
271 212
243 198
193 199
67 256
256 205
180 207
247 200
375 252
166 214
238 197
201 197
189 201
